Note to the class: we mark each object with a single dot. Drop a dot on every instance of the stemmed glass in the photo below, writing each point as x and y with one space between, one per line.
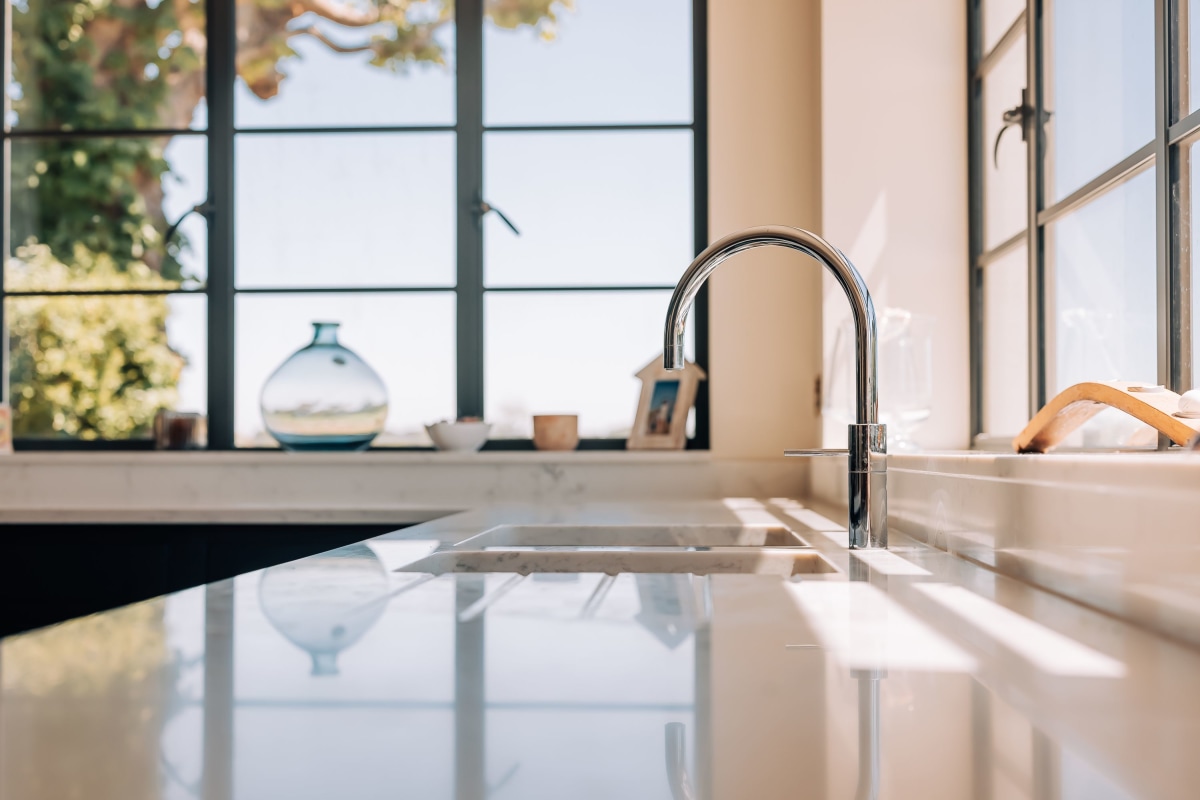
905 375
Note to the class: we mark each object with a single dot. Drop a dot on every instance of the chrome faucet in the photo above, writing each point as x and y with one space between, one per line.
867 438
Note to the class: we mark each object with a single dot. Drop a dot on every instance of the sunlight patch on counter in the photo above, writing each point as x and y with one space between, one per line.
750 512
863 628
886 562
1048 650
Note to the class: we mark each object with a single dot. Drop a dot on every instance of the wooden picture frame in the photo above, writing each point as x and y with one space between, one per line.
662 412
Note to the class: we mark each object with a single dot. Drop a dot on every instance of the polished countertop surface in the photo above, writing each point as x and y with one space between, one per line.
903 674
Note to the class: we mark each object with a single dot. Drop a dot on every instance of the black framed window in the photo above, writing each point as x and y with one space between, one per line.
190 184
1081 126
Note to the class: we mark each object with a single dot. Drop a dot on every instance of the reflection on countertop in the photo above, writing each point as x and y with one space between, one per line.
905 674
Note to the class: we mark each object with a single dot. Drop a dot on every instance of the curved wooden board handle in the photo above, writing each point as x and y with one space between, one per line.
1077 404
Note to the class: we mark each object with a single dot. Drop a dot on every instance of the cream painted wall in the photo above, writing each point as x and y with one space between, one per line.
764 168
847 118
894 160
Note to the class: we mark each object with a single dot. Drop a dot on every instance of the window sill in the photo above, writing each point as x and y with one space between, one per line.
373 487
370 457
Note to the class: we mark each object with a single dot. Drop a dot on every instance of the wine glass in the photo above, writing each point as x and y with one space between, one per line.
904 372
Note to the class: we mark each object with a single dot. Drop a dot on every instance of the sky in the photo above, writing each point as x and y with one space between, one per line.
378 210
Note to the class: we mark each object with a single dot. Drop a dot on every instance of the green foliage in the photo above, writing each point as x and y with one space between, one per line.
88 367
87 192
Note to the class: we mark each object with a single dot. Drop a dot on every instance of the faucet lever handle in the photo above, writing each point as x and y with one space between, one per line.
815 453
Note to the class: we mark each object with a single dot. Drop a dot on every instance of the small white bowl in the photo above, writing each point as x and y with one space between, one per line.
459 436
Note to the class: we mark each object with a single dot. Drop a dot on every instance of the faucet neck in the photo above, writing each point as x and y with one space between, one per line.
847 277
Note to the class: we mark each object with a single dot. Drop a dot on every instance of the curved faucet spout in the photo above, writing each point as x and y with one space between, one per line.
866 401
867 448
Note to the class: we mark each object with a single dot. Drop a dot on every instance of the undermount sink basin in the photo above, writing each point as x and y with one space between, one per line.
634 536
732 560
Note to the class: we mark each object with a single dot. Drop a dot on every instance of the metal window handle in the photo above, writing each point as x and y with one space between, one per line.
486 208
204 209
677 774
1012 116
1016 116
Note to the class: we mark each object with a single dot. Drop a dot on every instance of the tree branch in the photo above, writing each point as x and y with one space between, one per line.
332 45
338 12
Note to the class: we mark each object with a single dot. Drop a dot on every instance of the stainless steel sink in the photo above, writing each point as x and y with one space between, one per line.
732 560
634 536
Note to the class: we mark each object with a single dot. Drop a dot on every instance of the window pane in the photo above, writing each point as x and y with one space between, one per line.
1189 44
100 367
1103 262
1005 183
592 208
570 353
1191 169
108 65
345 210
407 338
998 17
1006 344
332 67
608 62
91 214
1099 87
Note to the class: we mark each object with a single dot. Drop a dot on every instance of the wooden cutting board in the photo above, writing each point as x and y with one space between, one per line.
1077 404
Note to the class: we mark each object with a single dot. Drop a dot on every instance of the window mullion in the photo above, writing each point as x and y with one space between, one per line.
975 234
1174 353
5 189
221 76
1040 327
469 144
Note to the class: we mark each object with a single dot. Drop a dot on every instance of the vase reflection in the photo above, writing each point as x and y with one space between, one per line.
325 603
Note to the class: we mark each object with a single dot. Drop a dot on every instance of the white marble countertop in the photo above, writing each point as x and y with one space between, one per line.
374 487
964 682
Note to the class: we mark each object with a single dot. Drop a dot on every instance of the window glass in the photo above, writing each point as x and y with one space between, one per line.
1006 343
408 338
1005 181
1102 257
569 353
610 208
347 64
345 210
1191 160
1099 87
107 65
617 61
1189 44
100 366
93 213
998 17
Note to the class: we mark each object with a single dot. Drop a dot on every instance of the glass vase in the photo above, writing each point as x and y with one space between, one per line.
324 397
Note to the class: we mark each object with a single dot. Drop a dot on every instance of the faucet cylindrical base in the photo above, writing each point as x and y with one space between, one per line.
868 486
